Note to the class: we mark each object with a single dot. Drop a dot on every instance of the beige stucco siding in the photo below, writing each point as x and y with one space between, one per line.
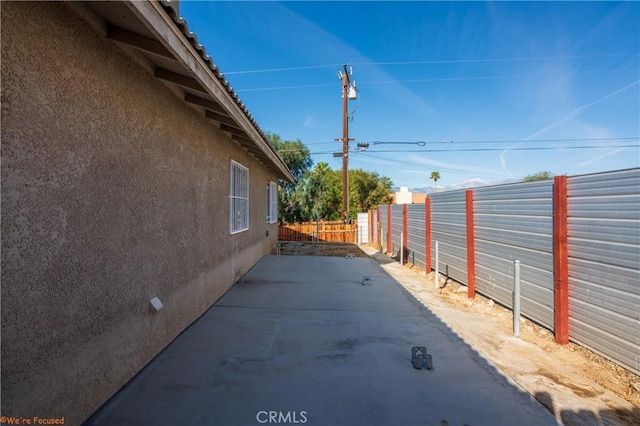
113 191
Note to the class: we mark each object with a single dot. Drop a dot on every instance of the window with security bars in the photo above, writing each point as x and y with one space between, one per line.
272 202
239 198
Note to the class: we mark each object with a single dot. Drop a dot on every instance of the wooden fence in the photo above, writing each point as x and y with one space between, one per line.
318 231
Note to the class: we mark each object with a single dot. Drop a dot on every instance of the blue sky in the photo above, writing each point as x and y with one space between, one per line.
501 77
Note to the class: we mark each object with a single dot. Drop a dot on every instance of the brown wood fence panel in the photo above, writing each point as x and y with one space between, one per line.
324 231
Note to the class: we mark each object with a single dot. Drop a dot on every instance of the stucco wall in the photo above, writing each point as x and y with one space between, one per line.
113 191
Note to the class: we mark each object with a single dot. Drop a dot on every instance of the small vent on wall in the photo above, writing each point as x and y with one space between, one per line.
156 304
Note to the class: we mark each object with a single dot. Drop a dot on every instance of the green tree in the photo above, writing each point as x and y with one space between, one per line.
366 190
317 192
538 177
321 193
296 156
435 176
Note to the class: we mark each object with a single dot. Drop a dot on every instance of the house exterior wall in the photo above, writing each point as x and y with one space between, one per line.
114 191
418 197
402 197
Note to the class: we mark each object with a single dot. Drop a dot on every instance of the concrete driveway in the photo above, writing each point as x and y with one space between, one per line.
300 340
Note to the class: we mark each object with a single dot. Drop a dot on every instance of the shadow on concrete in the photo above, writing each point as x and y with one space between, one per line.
582 417
615 416
299 336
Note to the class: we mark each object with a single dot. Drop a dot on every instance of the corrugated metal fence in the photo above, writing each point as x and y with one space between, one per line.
522 222
604 259
416 235
383 227
448 227
396 228
516 222
373 229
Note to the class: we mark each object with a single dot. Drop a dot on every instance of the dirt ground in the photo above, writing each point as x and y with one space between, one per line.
579 386
602 371
295 248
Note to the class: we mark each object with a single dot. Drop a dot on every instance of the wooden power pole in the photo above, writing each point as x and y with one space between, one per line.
348 92
345 146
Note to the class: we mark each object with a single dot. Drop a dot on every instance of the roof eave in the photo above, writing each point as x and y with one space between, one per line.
163 34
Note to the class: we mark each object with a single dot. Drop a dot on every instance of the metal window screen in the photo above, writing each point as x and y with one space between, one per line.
273 206
239 198
272 202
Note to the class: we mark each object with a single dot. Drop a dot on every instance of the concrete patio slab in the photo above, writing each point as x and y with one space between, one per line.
300 340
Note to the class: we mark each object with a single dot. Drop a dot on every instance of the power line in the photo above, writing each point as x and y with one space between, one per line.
503 141
421 143
502 149
434 62
487 77
461 61
370 155
305 86
308 67
521 148
391 160
431 80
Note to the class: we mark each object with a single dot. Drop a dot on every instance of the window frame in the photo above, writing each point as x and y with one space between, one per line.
238 198
272 202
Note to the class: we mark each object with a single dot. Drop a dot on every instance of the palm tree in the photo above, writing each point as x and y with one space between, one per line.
435 176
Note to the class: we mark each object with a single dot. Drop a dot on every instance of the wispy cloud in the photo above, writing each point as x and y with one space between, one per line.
568 117
309 43
415 159
600 157
429 165
415 172
403 173
310 121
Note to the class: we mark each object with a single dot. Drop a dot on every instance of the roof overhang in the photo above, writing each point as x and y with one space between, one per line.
157 38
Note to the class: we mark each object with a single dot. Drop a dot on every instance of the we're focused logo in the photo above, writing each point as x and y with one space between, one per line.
281 417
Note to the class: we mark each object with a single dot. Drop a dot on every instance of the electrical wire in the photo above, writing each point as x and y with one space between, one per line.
636 138
370 155
424 143
525 148
453 170
487 77
429 80
541 148
434 62
308 67
306 86
419 143
468 61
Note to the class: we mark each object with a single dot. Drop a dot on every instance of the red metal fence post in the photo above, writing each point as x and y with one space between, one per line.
427 234
560 260
471 248
404 233
389 229
378 226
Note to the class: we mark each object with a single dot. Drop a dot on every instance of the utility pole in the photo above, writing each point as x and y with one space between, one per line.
348 92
